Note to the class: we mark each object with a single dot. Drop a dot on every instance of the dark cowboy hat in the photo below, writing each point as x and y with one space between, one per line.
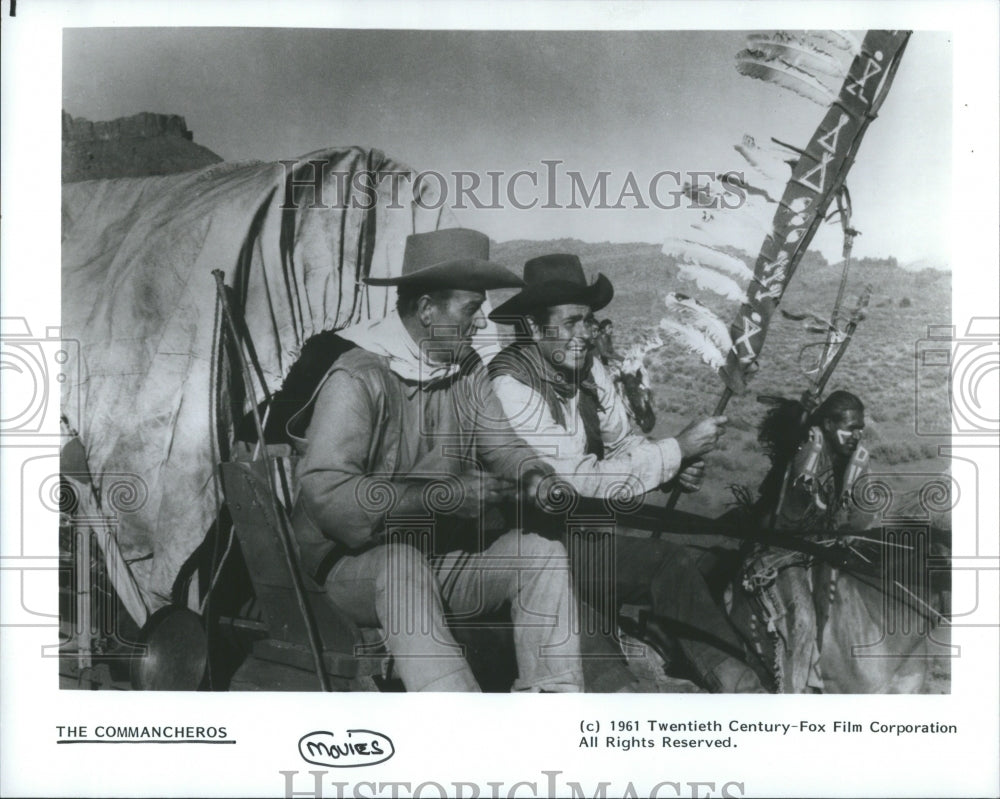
556 279
454 258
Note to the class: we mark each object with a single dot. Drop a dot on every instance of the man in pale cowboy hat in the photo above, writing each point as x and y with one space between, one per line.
562 401
400 482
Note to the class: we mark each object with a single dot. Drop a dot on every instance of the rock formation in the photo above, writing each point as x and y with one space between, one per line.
144 144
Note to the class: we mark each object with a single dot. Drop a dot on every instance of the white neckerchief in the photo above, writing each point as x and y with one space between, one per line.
389 337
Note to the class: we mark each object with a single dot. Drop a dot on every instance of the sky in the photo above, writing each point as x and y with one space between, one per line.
624 102
640 101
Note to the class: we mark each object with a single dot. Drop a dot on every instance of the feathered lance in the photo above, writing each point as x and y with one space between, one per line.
817 177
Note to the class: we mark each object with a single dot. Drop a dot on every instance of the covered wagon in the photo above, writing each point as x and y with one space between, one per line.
160 393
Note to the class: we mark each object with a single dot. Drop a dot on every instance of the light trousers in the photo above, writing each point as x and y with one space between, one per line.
411 596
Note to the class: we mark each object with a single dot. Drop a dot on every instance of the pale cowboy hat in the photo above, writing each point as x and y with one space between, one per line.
453 258
555 279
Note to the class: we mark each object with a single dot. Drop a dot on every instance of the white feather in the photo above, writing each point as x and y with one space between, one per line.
842 40
766 161
714 211
695 340
688 251
758 186
732 228
787 37
688 311
797 53
635 354
710 280
796 37
787 77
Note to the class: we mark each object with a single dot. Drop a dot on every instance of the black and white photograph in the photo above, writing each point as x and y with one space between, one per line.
440 356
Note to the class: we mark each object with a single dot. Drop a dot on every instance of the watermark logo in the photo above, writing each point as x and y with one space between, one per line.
313 184
965 369
35 370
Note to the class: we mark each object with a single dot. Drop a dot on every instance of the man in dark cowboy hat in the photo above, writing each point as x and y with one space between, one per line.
562 401
400 480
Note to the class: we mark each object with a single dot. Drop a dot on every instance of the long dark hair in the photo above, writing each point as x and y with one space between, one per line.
784 428
835 406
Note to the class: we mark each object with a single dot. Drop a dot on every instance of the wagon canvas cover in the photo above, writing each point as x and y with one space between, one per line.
139 296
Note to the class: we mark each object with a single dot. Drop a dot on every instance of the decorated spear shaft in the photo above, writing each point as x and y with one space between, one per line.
817 177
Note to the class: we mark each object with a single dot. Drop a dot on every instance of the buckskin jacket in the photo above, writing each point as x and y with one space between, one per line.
371 432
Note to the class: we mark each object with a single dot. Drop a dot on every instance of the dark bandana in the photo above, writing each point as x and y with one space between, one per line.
523 361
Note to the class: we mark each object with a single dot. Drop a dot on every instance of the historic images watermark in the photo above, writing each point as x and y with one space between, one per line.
547 186
42 390
967 365
550 783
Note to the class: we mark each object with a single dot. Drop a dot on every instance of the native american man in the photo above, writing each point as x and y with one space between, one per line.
815 497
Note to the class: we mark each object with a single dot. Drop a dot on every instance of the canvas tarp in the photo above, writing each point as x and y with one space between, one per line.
139 296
